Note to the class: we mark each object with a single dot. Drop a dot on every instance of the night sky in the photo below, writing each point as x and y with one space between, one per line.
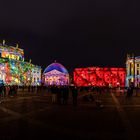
76 33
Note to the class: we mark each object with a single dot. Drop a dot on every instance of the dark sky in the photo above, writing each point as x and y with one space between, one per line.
76 33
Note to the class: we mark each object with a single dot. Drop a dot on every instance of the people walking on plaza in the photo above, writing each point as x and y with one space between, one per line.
10 91
4 91
66 95
53 92
13 92
128 94
38 88
130 90
59 95
16 89
32 88
1 93
7 90
29 87
23 87
74 95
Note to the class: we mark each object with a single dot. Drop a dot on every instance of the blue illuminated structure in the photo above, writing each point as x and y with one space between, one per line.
56 66
56 74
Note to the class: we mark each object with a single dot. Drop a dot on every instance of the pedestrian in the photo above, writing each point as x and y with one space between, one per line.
74 95
23 87
53 92
10 90
7 90
13 90
29 88
1 93
128 94
65 95
59 95
62 95
131 89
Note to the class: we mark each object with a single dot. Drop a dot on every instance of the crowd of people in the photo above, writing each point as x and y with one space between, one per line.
7 91
60 94
130 90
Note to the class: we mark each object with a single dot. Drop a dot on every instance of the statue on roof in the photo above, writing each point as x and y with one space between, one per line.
3 42
17 45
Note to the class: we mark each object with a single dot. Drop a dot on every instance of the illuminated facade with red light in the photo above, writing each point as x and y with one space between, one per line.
102 77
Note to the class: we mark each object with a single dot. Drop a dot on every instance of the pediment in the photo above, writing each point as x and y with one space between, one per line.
54 72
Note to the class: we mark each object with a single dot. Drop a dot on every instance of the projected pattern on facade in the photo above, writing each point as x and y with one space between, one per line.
56 74
14 70
96 76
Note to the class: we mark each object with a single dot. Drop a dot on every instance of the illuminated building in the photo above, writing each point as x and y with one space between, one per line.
133 70
102 77
36 75
56 74
14 70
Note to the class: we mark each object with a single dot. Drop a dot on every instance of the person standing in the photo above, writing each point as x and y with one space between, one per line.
59 95
53 91
131 89
74 95
128 92
65 94
7 90
1 93
62 95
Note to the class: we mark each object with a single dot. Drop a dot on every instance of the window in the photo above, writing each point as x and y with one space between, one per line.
130 69
137 72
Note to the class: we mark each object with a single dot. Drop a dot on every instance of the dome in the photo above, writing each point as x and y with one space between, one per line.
56 66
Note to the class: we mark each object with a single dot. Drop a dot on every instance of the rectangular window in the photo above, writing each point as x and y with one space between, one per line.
137 72
130 69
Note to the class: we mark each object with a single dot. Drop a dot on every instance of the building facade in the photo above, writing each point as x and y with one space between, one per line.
56 74
14 70
101 77
133 70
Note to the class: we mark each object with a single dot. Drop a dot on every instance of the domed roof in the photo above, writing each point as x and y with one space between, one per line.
56 66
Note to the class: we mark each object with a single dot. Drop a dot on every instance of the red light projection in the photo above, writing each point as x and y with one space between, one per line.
96 76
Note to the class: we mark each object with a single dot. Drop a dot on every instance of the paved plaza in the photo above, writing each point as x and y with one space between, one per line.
33 116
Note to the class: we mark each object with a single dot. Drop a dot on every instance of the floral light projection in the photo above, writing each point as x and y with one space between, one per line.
14 70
